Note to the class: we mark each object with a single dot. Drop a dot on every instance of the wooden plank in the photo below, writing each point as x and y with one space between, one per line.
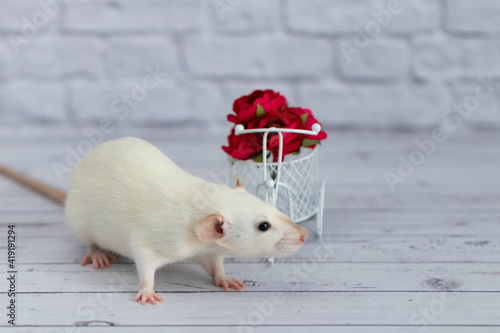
32 222
399 251
337 223
379 152
279 308
335 173
365 155
209 151
355 180
336 139
335 199
98 327
333 249
408 224
324 277
10 189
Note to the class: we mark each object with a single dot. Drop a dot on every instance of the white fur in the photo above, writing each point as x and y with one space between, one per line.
126 196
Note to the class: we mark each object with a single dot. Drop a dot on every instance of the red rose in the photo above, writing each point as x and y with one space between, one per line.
240 148
247 146
308 120
265 109
254 105
278 119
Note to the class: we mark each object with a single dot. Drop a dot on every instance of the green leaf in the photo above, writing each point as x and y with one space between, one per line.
309 142
258 158
296 152
304 118
260 111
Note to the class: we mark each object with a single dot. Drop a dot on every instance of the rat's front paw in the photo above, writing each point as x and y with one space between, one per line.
227 283
147 295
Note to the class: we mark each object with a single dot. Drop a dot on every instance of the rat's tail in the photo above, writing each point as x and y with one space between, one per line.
46 190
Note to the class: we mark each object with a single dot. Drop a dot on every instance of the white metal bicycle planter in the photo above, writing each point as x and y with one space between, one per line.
292 186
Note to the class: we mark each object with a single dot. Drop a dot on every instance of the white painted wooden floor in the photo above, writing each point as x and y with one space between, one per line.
422 259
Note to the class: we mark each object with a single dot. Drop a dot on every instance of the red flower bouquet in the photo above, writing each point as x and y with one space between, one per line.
265 109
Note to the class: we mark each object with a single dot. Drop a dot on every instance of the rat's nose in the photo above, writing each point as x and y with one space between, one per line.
303 235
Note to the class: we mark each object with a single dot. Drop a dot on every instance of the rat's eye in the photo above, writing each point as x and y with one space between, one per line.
263 226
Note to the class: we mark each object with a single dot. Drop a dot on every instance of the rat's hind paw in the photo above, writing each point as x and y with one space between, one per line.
227 283
148 296
99 257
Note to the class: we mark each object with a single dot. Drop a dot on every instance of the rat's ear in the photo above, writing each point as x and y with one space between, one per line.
209 229
238 183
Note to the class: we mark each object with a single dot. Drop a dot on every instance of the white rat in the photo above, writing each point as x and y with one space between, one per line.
128 198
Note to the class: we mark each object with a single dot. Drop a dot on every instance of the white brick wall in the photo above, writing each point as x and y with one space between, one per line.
341 16
29 101
455 58
357 64
470 17
368 105
134 16
269 57
386 60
